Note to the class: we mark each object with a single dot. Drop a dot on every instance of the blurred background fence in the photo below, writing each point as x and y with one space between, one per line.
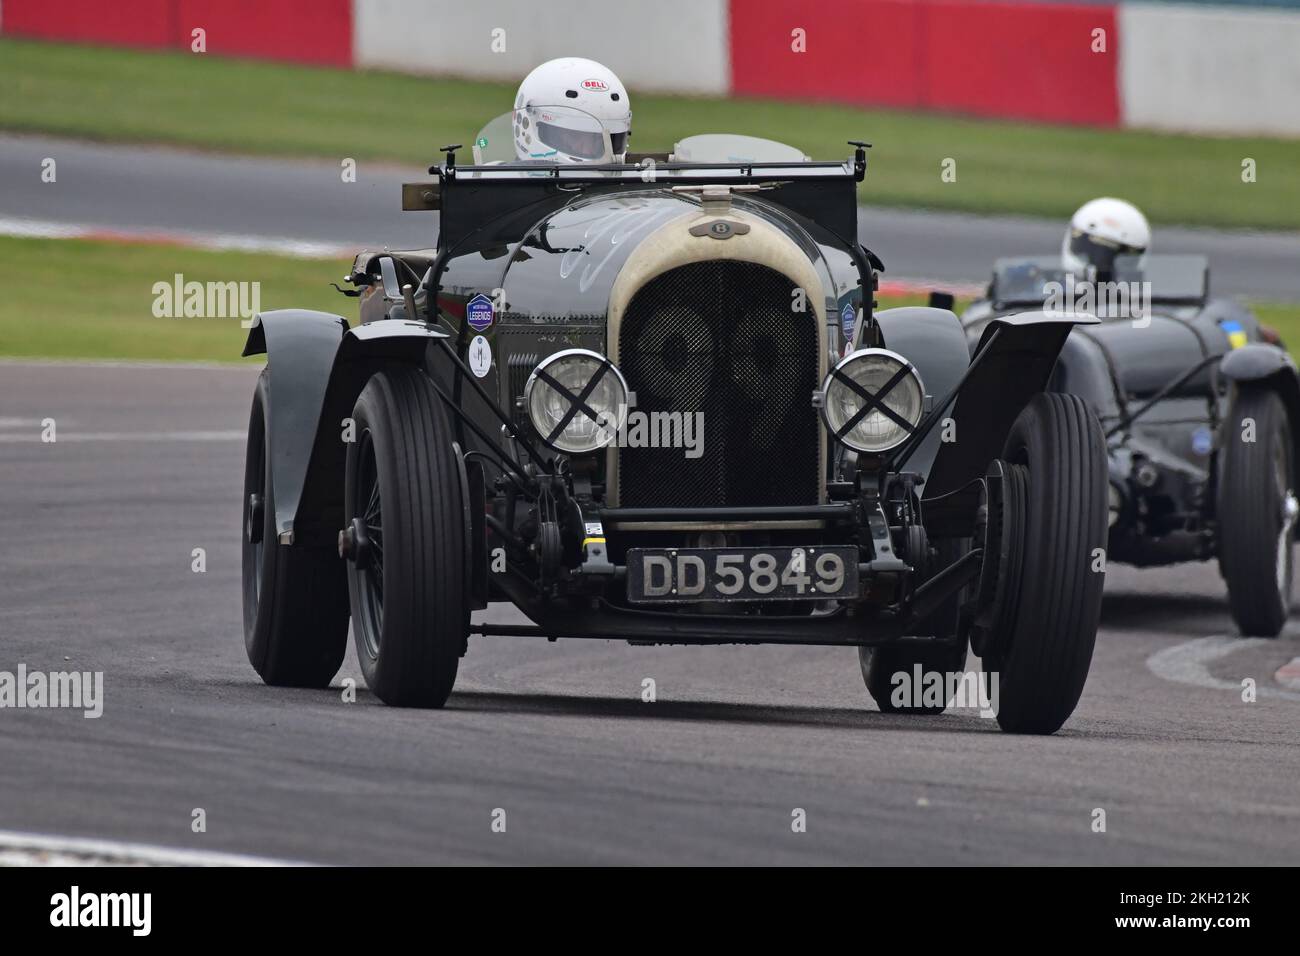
1223 67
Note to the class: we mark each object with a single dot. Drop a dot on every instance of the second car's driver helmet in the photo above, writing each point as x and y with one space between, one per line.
1101 230
597 98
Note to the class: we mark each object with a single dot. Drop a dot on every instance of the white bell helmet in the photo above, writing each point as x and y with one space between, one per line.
596 95
1101 230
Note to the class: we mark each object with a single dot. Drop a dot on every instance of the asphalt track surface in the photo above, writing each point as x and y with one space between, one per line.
302 203
97 575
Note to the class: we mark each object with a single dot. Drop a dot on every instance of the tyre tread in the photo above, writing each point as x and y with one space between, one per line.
1249 571
1045 666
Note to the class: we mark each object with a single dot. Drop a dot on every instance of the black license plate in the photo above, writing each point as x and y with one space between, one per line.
686 575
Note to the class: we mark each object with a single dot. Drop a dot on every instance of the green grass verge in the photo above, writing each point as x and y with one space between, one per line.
1286 319
244 106
96 299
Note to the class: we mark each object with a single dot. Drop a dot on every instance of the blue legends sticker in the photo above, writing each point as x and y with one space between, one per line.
479 313
1202 441
1235 333
848 316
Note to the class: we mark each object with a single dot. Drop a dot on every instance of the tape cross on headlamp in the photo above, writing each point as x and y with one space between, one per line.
577 403
873 401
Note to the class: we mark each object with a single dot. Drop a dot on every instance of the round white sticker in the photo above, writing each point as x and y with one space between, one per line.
480 356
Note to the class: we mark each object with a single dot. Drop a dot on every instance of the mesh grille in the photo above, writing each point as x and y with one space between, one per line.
722 338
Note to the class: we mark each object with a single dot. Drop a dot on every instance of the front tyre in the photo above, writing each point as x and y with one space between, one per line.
295 596
1042 652
1257 512
406 535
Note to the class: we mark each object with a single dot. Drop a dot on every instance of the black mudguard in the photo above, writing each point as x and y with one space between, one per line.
1256 362
318 368
1012 364
1267 366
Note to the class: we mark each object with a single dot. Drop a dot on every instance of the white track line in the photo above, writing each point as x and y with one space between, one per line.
37 849
1186 664
216 241
179 436
133 364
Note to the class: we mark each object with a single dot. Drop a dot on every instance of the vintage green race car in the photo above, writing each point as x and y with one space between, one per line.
653 401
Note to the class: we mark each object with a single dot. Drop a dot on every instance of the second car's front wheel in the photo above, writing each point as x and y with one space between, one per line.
1257 512
405 541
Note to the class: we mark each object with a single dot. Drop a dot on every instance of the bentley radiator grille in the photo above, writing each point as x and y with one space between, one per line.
722 339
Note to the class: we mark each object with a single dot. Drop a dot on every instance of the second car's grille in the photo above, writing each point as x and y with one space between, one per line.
728 340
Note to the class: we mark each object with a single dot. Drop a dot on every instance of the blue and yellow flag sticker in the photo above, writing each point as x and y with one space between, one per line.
1235 333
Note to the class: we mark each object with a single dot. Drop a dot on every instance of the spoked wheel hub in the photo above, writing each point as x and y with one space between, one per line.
356 544
362 544
1003 522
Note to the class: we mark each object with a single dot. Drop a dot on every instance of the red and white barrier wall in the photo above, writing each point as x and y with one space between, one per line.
1225 69
305 31
1211 69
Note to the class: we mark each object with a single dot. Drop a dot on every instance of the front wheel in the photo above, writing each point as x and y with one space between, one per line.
1050 581
405 539
1257 512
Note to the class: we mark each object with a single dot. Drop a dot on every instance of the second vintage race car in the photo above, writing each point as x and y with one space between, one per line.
1200 406
618 396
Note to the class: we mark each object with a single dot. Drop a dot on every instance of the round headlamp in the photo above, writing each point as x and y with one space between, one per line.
576 400
873 400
